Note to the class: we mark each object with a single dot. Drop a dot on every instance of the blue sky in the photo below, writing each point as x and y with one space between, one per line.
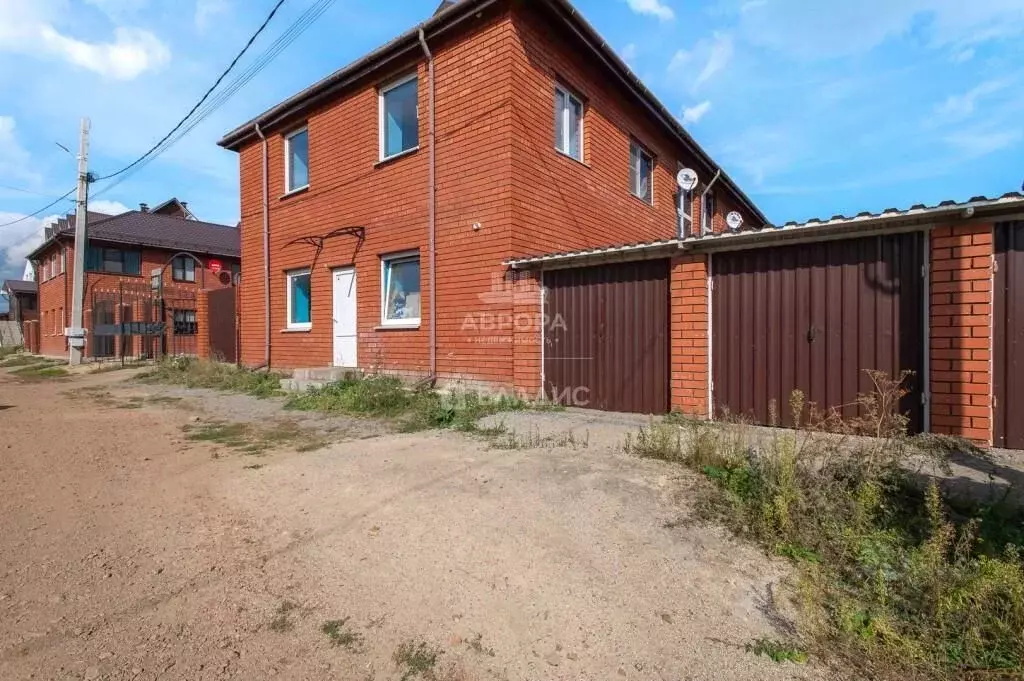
815 108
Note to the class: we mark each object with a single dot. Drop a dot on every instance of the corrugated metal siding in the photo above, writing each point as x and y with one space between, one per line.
814 317
1008 344
606 337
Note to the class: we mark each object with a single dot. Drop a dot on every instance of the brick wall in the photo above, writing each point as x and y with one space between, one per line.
689 330
961 338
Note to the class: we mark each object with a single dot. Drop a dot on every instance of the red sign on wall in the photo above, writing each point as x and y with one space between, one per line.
216 266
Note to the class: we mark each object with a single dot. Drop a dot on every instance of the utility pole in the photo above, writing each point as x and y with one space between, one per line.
76 333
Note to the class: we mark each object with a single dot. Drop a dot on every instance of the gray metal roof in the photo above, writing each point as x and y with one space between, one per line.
20 286
447 17
918 214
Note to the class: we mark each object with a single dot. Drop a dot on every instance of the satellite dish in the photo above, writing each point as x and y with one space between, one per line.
687 179
734 220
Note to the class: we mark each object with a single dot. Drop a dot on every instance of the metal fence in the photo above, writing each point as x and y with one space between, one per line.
136 322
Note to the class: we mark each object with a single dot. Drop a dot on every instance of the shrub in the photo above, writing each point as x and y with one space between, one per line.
195 373
893 575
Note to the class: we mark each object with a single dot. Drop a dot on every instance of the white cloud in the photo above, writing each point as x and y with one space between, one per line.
964 55
654 8
982 142
962 106
133 52
206 10
15 161
628 53
693 114
30 28
711 56
118 9
108 207
17 241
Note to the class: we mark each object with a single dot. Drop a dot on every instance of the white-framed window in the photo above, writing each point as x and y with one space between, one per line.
296 160
399 117
63 260
300 310
685 211
400 289
641 172
568 123
707 213
183 268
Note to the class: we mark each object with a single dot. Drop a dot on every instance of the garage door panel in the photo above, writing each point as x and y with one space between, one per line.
1008 341
815 317
607 336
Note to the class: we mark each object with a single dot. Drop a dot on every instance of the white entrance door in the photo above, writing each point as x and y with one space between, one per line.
345 332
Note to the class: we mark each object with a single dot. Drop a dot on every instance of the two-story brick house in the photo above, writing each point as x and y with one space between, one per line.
494 197
380 205
124 252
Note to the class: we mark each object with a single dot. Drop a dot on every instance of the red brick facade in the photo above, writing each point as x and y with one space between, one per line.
55 294
689 305
503 191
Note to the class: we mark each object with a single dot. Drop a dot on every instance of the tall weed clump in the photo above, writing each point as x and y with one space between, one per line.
894 576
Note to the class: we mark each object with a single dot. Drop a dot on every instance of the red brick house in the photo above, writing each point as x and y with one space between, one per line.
124 252
494 198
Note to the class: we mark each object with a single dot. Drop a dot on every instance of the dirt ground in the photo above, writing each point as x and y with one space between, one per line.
130 551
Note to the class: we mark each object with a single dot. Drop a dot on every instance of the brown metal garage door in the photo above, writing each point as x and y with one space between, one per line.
814 317
1008 345
606 339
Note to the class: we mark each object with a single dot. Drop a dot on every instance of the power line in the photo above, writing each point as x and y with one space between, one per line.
202 99
298 27
44 208
23 191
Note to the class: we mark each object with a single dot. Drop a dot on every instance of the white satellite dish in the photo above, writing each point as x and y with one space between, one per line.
734 220
687 179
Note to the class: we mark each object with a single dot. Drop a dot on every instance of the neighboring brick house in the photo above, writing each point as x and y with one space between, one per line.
124 252
22 300
363 206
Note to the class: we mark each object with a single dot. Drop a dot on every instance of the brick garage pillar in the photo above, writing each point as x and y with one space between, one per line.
527 332
203 324
689 334
960 331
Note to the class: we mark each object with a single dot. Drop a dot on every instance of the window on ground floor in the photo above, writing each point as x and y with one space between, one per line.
185 323
299 302
400 290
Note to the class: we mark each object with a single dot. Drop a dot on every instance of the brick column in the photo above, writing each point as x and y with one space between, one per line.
689 336
961 336
526 337
202 324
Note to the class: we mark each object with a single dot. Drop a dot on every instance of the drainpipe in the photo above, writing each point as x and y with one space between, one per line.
704 193
431 218
266 249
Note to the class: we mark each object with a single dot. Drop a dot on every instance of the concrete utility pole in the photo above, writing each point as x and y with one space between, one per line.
76 333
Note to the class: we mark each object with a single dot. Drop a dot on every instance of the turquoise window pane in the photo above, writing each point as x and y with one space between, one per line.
401 126
300 299
298 160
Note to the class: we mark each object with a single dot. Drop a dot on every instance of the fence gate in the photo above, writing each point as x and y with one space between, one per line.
132 321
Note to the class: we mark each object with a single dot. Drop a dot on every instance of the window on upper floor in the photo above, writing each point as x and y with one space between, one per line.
296 160
707 213
568 123
63 260
113 260
400 290
685 211
399 117
183 268
641 172
299 304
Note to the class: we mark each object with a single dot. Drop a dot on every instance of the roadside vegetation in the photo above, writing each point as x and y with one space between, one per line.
193 373
6 352
895 575
382 397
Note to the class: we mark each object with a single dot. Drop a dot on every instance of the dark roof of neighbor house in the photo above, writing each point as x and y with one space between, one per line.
20 286
447 16
68 222
157 231
174 204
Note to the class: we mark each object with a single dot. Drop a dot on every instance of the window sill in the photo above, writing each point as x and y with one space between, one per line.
412 326
305 330
571 157
395 157
294 192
